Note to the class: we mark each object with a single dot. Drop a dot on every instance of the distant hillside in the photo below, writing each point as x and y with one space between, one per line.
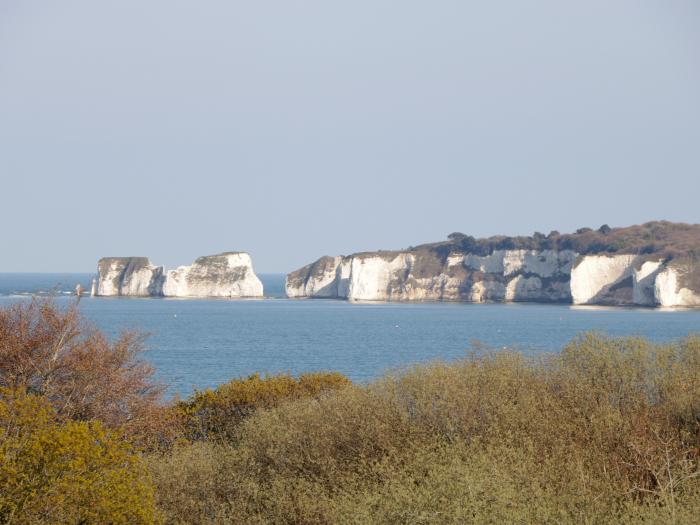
663 238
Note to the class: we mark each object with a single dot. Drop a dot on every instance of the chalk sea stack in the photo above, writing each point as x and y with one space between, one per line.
227 274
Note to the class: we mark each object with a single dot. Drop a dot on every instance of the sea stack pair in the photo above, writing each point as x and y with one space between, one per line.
227 274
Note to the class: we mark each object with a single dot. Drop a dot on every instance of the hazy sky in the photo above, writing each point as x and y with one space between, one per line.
294 129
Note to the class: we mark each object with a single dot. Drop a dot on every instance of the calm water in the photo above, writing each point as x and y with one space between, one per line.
201 343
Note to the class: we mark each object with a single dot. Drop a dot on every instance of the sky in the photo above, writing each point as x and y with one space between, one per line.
295 129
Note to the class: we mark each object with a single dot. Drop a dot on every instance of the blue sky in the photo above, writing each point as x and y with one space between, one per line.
291 130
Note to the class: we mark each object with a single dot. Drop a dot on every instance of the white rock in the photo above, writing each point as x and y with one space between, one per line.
378 278
323 284
594 275
134 276
523 288
408 276
485 263
224 275
668 290
455 260
482 291
504 275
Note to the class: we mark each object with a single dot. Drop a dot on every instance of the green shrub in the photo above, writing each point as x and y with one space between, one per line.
195 483
211 413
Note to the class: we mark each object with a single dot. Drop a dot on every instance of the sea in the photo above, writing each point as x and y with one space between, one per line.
201 343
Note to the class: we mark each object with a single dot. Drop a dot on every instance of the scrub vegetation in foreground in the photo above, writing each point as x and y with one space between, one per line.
606 431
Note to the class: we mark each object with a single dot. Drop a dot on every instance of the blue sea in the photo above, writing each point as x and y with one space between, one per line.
199 343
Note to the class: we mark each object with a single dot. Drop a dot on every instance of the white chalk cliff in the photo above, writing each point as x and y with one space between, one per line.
678 284
503 275
134 276
224 275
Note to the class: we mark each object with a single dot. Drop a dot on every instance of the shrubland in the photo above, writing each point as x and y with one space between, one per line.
54 471
664 239
216 413
605 431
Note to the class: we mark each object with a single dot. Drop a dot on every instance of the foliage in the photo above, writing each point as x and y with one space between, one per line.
53 352
195 483
663 238
608 431
210 413
66 472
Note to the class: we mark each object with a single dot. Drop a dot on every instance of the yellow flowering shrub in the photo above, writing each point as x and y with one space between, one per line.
70 473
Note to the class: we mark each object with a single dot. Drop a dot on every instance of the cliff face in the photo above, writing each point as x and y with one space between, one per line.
477 270
505 275
678 283
224 275
510 275
134 276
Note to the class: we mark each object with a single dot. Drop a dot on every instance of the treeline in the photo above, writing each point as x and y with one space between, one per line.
606 431
662 238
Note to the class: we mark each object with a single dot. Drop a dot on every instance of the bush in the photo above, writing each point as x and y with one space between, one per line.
218 412
608 431
196 484
53 352
72 472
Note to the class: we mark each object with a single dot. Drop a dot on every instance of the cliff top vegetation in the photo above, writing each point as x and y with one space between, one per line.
662 238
